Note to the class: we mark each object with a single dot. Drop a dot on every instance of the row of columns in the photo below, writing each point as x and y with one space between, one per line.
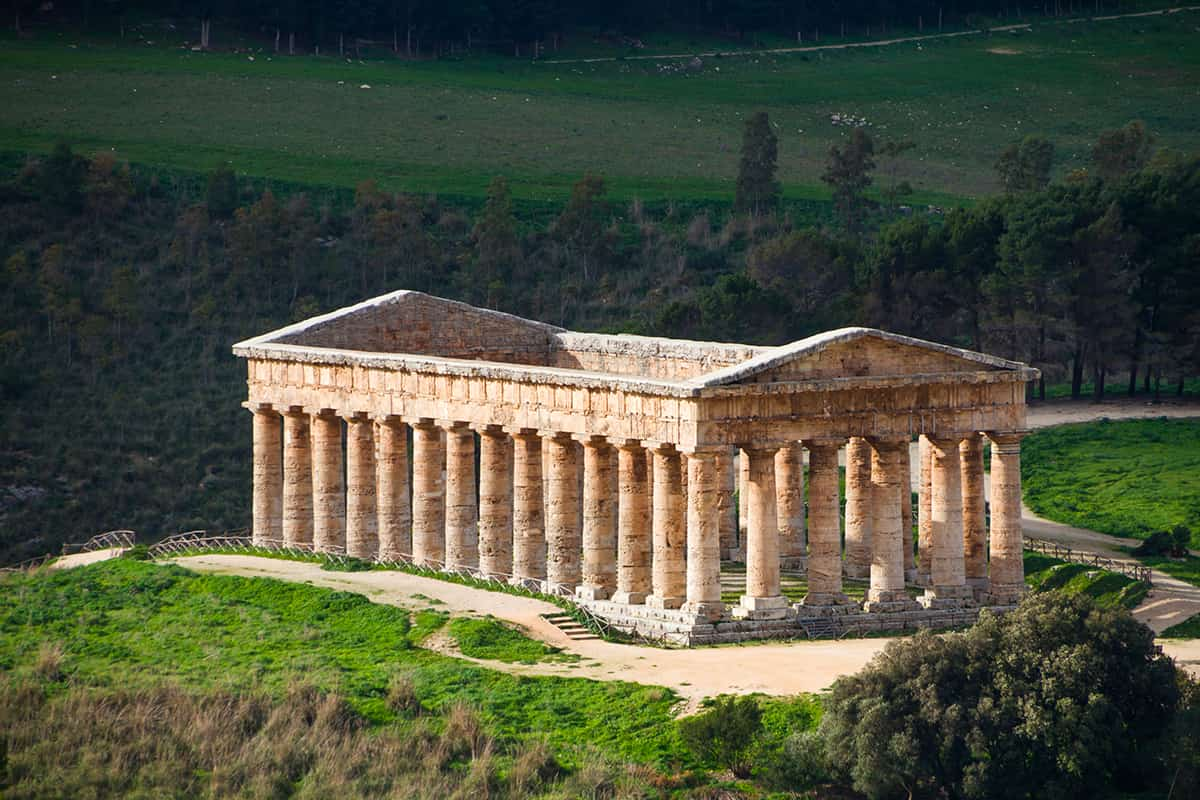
654 529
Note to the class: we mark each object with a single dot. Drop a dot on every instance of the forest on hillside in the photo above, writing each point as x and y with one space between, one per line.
122 290
416 27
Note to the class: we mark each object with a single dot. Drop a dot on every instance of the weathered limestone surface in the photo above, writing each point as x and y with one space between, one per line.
495 504
529 537
947 574
392 493
1007 565
563 536
329 495
268 477
429 509
762 598
859 508
703 538
668 570
887 554
462 536
906 513
789 500
726 504
633 526
743 502
362 531
297 480
970 453
925 513
824 525
599 522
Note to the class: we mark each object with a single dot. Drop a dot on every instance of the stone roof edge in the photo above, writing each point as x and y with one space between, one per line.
662 345
781 355
313 323
439 365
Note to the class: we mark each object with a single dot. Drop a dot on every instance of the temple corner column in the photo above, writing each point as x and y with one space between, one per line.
703 537
1006 537
267 459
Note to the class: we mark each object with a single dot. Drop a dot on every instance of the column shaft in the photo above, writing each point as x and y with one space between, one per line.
762 543
824 525
1007 563
887 554
429 509
858 508
391 487
329 495
726 502
743 483
947 572
529 532
925 513
668 571
599 522
563 538
703 538
789 500
268 478
362 531
462 537
297 481
633 526
495 504
970 453
906 512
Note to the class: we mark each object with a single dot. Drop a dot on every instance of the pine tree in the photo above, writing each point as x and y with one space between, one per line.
757 189
849 173
496 247
1025 167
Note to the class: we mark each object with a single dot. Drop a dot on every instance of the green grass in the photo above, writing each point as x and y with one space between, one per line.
126 624
1188 629
490 638
1185 569
1108 589
1128 478
448 126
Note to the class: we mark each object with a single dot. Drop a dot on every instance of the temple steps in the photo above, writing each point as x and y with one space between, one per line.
568 625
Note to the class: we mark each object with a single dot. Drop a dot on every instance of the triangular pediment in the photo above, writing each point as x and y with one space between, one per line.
856 353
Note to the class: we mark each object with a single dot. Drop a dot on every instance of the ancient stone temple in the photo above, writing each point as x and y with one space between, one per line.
623 469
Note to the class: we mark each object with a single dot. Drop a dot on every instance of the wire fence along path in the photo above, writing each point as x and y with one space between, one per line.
109 540
1064 553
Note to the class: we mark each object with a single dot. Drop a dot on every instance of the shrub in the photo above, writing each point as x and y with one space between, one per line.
402 696
1181 537
726 734
803 763
1159 543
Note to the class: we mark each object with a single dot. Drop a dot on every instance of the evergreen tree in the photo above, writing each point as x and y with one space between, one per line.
222 195
1122 150
849 173
1025 167
496 247
757 189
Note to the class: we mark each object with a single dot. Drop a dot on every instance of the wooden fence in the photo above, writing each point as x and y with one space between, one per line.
1064 553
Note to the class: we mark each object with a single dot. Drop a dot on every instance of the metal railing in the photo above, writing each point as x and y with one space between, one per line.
1064 553
109 540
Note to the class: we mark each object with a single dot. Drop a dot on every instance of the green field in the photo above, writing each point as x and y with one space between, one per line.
1128 478
1108 589
448 126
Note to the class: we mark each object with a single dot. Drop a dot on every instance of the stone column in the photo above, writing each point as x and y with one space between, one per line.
268 477
703 538
529 532
925 513
462 537
824 524
887 554
970 453
297 480
329 495
429 508
948 587
906 512
726 503
563 539
1007 561
668 571
599 522
743 479
362 531
858 508
391 488
495 503
762 599
789 502
633 525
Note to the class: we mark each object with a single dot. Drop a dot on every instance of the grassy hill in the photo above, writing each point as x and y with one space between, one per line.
655 128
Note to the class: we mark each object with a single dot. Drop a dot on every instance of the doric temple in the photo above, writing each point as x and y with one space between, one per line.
623 470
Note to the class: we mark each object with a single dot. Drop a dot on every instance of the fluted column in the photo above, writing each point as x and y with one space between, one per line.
362 524
726 502
429 508
297 480
495 503
393 506
925 513
633 525
743 483
268 477
703 537
970 453
886 592
462 537
789 500
947 572
858 508
824 524
599 521
529 531
668 571
906 512
763 598
1007 559
329 494
563 537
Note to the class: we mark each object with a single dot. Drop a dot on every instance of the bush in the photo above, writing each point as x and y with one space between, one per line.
803 763
1173 543
726 734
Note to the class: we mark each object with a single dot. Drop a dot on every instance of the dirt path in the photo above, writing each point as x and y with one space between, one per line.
81 559
873 43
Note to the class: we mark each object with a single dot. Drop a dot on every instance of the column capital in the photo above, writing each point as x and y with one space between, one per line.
888 441
560 436
701 451
484 429
423 423
355 416
391 420
259 408
629 444
524 434
1007 441
948 438
452 425
294 411
834 442
591 440
661 448
319 411
761 449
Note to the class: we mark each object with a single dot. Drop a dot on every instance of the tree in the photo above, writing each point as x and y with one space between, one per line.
815 272
580 227
757 190
1025 166
895 188
848 171
1121 151
60 177
497 250
222 194
726 734
1058 699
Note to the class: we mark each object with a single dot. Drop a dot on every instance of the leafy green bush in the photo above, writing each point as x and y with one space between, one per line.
726 734
490 638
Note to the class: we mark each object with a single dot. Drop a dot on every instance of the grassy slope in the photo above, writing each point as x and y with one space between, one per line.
1188 629
448 126
1123 478
1108 589
489 638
